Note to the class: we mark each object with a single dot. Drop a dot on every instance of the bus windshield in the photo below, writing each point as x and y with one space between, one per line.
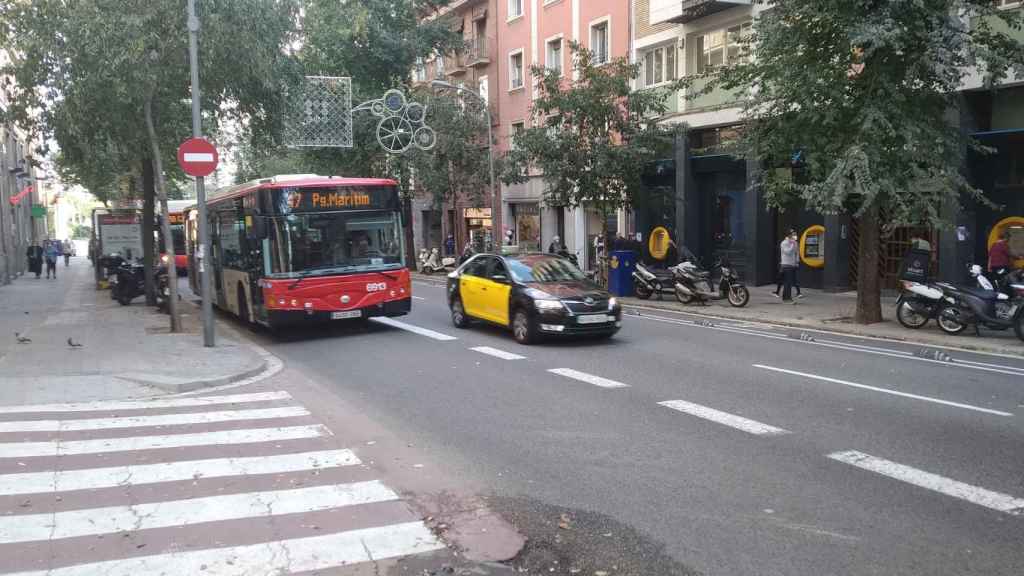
333 242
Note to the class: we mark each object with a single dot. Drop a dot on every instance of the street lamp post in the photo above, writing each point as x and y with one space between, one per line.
497 231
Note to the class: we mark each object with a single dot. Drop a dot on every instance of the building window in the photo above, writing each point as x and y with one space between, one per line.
515 129
515 67
599 42
439 66
420 71
659 65
483 89
554 55
720 47
515 9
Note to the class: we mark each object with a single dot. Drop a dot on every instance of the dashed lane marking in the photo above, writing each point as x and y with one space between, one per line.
126 518
956 489
147 404
157 420
101 445
134 475
885 390
588 378
414 329
279 557
498 353
724 418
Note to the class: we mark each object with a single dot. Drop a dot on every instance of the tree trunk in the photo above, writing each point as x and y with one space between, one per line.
165 222
148 221
869 287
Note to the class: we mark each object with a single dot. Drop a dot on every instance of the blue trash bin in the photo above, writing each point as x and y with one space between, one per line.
621 264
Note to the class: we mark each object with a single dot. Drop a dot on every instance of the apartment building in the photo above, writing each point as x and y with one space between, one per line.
474 68
717 210
19 196
538 33
505 39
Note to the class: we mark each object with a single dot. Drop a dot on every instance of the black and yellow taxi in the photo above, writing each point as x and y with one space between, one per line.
534 295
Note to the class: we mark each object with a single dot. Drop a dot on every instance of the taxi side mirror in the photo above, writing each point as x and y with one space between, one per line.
499 278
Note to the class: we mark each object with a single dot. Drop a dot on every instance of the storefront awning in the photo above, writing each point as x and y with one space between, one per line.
17 197
1006 132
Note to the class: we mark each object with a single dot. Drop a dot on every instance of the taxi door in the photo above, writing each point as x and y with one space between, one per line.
471 289
497 293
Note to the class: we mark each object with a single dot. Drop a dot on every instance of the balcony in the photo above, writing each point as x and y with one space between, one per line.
456 64
479 52
685 11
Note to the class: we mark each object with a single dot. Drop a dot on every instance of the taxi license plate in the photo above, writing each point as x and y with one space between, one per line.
595 319
346 314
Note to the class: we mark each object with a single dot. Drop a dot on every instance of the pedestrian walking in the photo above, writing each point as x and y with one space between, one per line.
68 248
789 260
52 252
34 254
556 246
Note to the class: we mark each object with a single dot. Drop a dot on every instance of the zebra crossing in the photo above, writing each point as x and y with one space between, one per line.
235 484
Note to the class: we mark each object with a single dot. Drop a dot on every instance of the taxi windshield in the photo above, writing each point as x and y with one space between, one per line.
543 268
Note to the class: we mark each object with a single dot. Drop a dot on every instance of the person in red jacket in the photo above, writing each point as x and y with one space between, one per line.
999 254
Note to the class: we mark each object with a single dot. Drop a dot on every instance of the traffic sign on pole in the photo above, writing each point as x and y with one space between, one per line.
197 157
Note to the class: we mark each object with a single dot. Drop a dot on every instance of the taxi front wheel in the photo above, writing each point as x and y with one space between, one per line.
459 318
522 328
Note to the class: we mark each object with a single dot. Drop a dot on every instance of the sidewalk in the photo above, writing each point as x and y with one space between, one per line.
126 351
835 312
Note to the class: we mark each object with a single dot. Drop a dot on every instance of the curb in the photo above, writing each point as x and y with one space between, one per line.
837 328
173 385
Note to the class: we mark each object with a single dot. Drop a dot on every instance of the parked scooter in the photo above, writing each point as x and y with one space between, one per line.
650 281
431 262
918 303
984 306
693 283
129 282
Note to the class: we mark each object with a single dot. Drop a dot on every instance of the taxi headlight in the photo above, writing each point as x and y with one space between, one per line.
612 303
547 304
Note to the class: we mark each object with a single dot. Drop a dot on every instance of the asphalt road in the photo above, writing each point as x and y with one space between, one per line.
679 448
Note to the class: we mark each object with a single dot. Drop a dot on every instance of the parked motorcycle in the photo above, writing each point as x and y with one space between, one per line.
918 303
129 282
431 262
649 281
984 306
692 283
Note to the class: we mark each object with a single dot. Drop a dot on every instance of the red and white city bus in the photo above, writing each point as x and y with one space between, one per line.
176 216
298 249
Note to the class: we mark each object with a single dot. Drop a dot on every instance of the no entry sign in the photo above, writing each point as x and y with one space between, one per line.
197 157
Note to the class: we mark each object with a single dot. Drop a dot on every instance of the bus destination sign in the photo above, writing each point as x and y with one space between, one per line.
295 200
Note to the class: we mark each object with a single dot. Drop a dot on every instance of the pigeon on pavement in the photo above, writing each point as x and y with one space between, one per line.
73 344
22 339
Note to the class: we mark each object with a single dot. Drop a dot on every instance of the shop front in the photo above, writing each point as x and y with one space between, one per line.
477 226
526 226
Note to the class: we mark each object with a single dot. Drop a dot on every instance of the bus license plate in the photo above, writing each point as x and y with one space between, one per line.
595 319
346 314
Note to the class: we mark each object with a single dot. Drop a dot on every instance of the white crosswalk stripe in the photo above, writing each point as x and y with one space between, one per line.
94 478
44 502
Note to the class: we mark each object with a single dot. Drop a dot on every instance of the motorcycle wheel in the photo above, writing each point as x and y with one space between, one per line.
739 296
124 299
642 292
950 325
908 317
683 297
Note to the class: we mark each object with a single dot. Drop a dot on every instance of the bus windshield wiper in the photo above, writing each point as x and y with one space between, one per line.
309 272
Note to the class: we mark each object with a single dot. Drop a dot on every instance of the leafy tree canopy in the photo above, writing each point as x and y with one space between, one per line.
868 91
591 137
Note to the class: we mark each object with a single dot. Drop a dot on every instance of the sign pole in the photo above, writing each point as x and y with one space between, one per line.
197 132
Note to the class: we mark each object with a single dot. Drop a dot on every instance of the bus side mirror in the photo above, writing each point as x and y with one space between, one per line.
256 227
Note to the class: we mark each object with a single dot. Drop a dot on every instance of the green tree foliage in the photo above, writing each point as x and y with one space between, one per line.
109 79
590 137
456 169
867 89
